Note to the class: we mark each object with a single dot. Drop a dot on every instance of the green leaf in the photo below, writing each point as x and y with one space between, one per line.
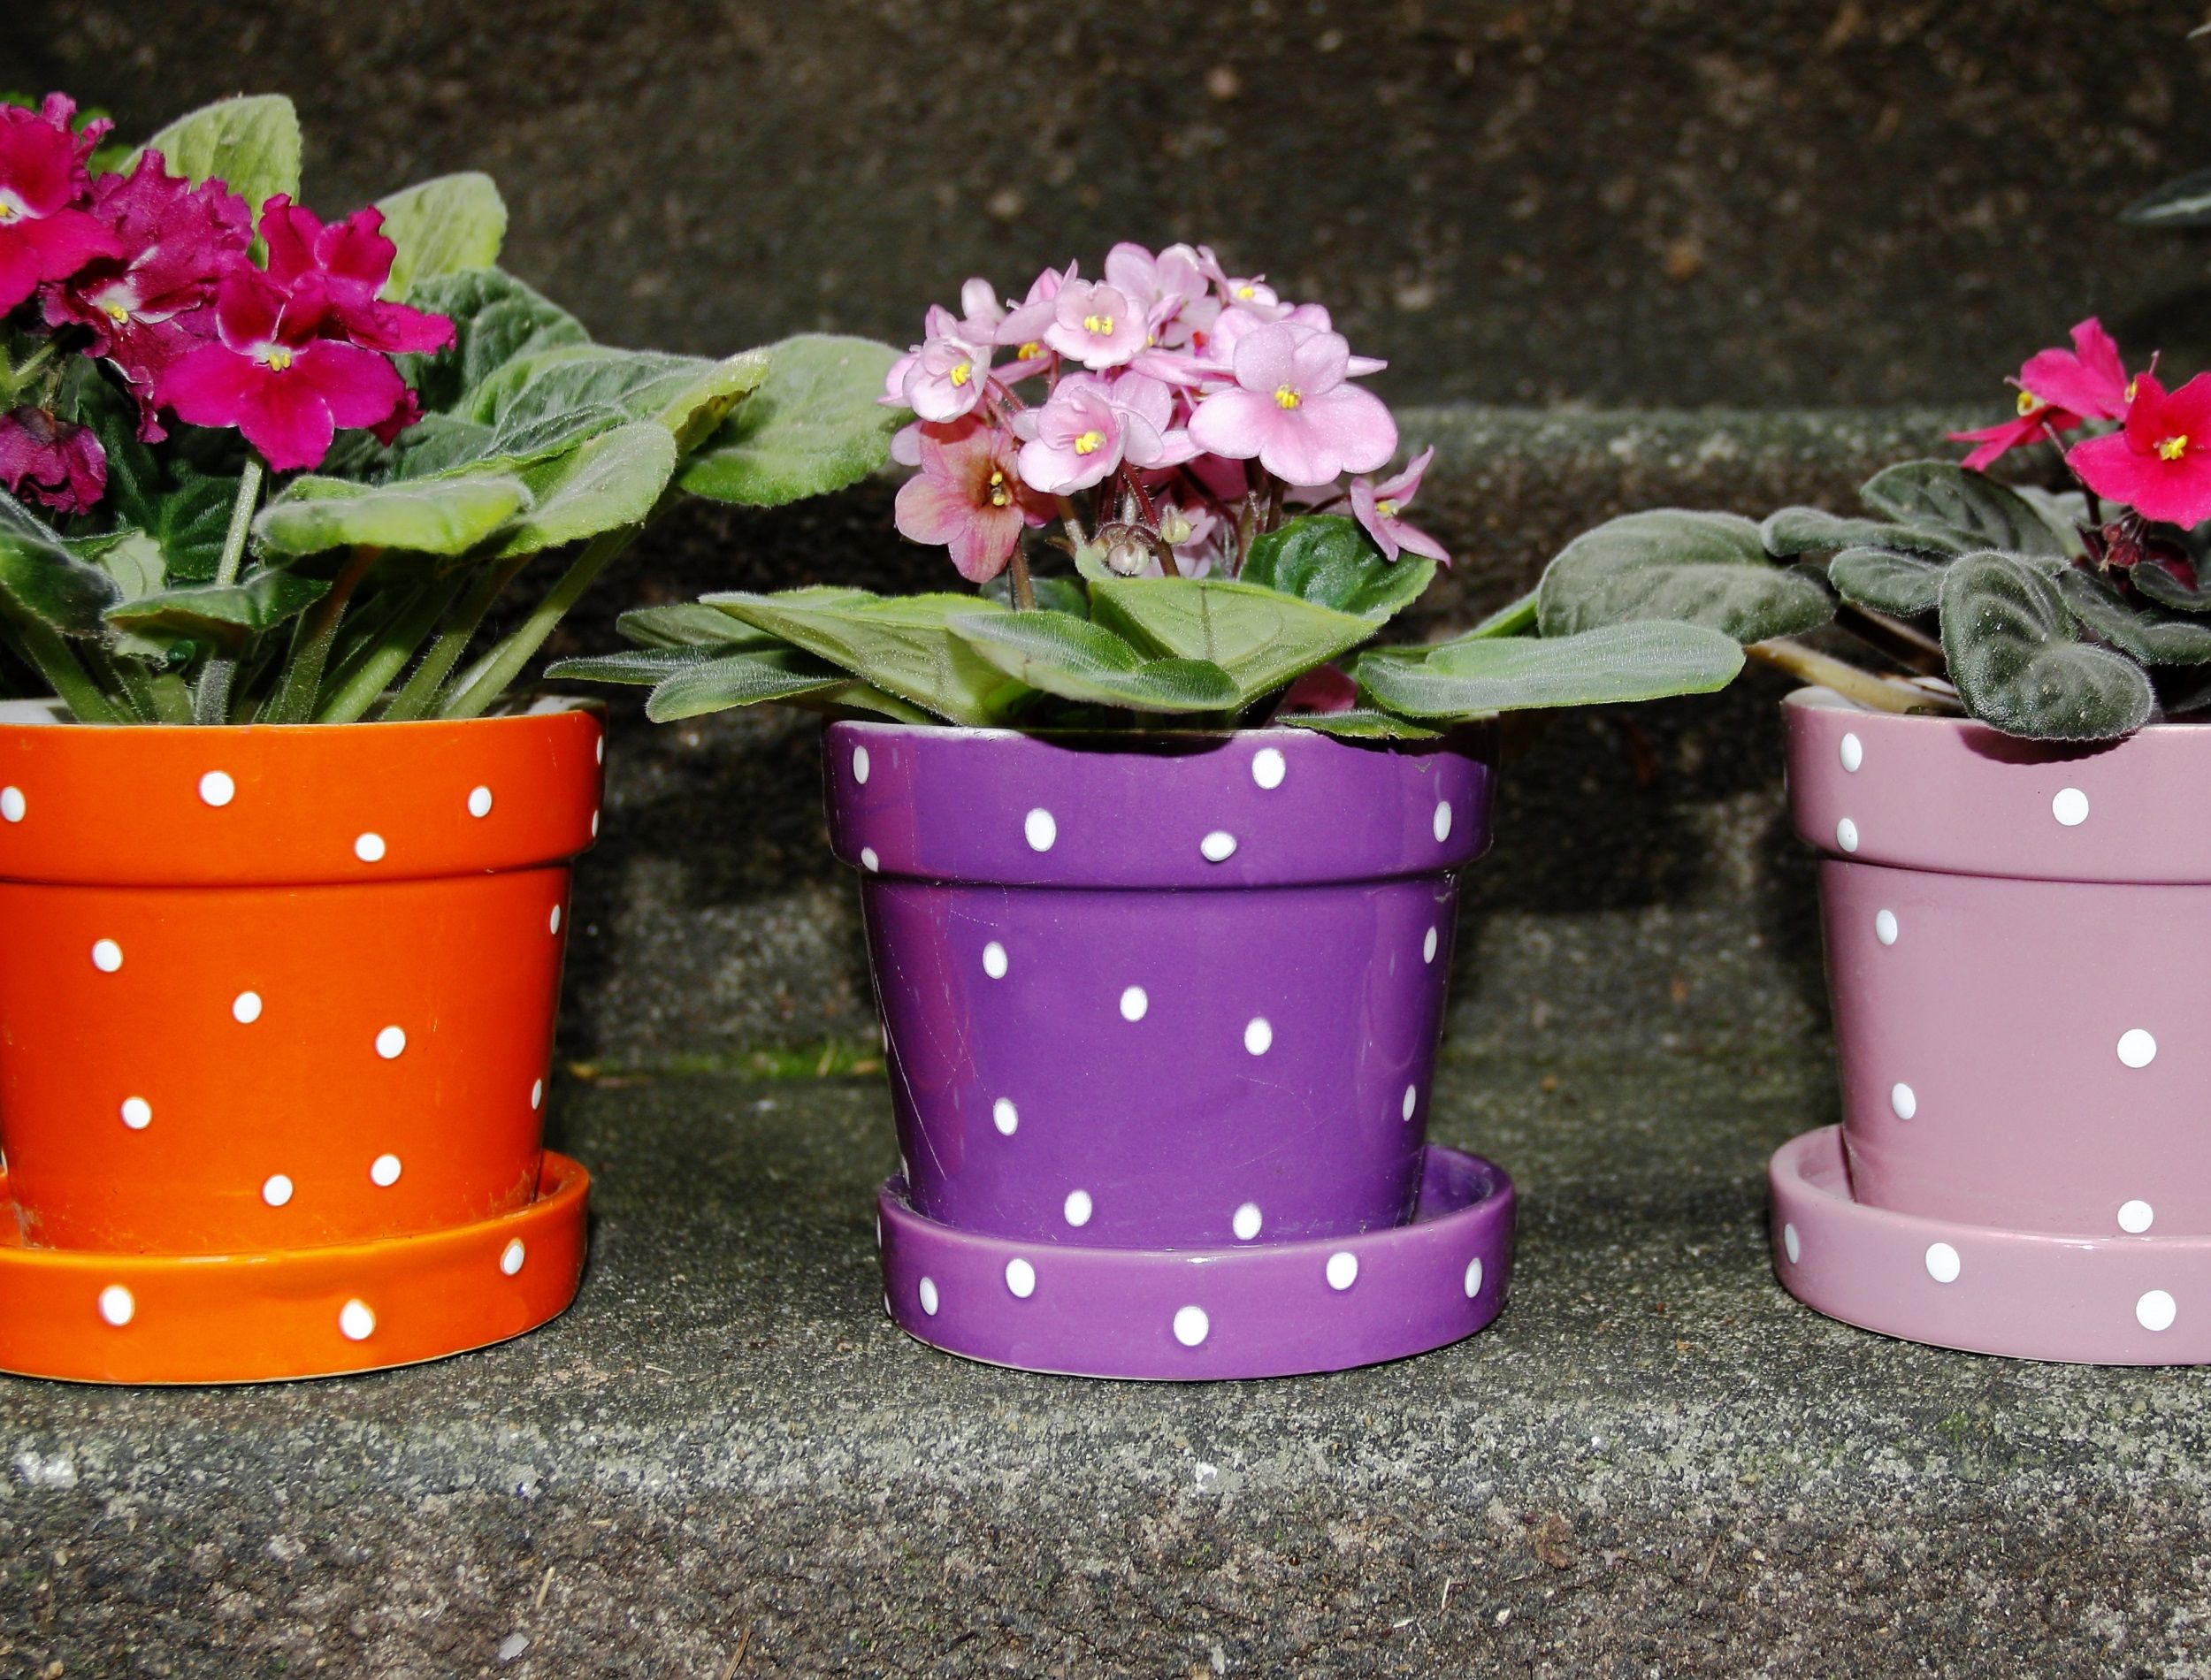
1329 559
448 225
1643 660
426 517
1360 723
251 143
742 679
1694 568
1054 594
42 578
615 479
2185 202
902 645
1809 531
223 616
1514 618
1263 638
1076 660
2153 636
1943 499
813 426
2018 661
689 624
2168 591
496 319
1902 584
135 561
644 666
686 395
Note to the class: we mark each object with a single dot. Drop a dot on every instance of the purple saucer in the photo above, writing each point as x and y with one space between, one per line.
1248 1309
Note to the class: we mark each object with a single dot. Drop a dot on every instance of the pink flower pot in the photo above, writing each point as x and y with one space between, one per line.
2014 935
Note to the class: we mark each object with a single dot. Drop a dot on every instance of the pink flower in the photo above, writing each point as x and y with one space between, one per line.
51 460
270 373
1291 408
2159 462
945 377
1172 279
1378 507
969 497
1023 325
2088 381
352 261
45 233
1323 688
1096 324
1091 425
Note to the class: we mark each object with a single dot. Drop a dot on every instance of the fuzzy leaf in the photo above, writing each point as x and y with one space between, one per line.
2185 202
813 426
688 625
1331 561
647 666
2018 662
1076 660
448 225
686 395
1641 660
2168 591
1263 638
1514 618
1808 530
902 645
1692 567
496 319
428 516
1054 594
1900 584
743 679
1361 723
251 143
612 480
42 578
2153 636
135 561
1944 499
223 616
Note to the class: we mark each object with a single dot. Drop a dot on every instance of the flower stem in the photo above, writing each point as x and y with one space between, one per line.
1024 592
419 698
295 696
1877 693
211 701
370 669
43 648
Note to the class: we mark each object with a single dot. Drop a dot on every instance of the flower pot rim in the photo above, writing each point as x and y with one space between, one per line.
42 713
1451 739
1816 698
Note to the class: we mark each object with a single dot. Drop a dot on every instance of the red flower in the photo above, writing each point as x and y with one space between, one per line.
44 234
51 460
2159 462
270 373
353 260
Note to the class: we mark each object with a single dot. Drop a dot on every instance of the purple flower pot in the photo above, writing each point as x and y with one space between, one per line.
1161 1016
2015 937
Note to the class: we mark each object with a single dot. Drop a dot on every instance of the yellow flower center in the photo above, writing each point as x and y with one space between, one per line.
2131 385
1100 325
1247 292
2029 404
1030 351
1386 507
999 494
2172 448
114 311
1286 396
1089 443
276 359
9 212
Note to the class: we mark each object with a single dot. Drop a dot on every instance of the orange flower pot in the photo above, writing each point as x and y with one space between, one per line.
276 1017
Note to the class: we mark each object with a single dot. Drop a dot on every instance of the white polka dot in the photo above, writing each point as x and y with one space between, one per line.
1885 926
2155 1310
2070 806
1133 1004
1258 1037
994 961
117 1305
859 764
1428 945
384 1171
1040 829
391 1043
370 848
107 956
868 858
216 788
1904 1100
2136 1216
599 749
1021 1278
537 1092
2137 1048
1342 1269
1942 1263
276 1189
1473 1277
1246 1222
1191 1326
479 802
926 1293
1852 752
11 804
355 1321
138 1113
512 1255
595 825
1005 1117
1218 847
1442 821
1790 1244
1846 835
1078 1208
1267 768
1411 1102
246 1008
553 922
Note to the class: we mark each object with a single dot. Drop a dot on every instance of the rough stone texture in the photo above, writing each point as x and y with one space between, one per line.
1516 200
1654 1462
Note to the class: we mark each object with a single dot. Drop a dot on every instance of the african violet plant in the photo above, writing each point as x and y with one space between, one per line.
2069 611
1194 455
257 466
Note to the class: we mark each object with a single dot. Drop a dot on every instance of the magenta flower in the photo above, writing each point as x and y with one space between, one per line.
2088 381
45 232
969 497
1091 425
1096 324
2159 464
270 373
1291 408
2026 427
51 460
351 260
1379 509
